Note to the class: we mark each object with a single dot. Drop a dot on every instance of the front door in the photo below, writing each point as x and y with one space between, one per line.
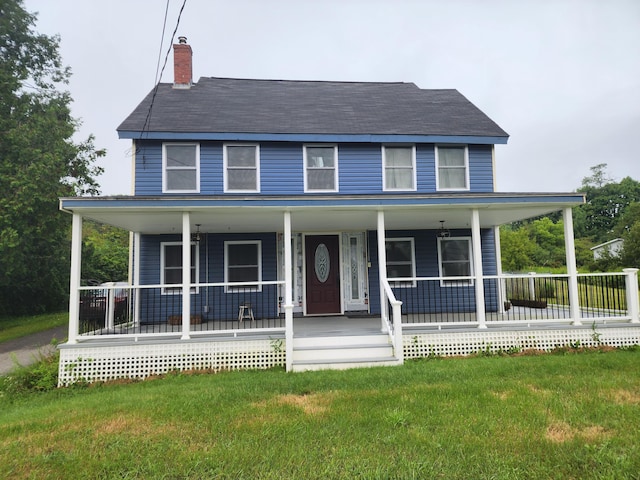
322 263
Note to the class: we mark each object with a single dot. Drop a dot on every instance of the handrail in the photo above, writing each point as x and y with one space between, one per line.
394 324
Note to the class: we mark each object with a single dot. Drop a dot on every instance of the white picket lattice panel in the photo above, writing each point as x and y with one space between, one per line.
470 342
103 362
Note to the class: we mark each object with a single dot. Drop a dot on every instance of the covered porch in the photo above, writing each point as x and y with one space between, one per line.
272 312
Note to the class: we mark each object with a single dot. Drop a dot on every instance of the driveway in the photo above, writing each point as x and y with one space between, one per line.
26 350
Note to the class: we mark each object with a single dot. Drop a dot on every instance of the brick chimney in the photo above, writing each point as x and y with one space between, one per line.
182 64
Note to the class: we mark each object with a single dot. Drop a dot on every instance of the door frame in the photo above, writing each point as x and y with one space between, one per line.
338 235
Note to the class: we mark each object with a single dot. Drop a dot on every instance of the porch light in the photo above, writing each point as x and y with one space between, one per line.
195 237
443 232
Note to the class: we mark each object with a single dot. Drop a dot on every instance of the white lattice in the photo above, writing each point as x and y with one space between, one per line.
469 342
91 363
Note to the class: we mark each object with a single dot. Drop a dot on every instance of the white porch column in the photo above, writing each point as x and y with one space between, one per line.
136 278
502 294
477 268
74 282
288 292
572 270
632 294
382 269
186 275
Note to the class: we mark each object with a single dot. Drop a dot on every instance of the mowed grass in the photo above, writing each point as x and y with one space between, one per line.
16 327
571 415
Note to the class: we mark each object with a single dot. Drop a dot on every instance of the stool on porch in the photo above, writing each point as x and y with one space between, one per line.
245 311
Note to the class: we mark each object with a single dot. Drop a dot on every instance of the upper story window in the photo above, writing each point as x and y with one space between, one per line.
241 168
320 168
180 168
399 168
454 255
401 260
171 266
452 164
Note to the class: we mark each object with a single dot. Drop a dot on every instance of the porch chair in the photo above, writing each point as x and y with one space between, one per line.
245 311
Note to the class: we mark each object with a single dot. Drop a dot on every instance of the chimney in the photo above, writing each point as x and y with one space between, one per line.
182 64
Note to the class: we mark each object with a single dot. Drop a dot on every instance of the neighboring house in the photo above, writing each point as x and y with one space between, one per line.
330 224
612 248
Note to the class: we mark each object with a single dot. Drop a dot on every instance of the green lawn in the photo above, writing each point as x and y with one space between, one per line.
16 327
572 415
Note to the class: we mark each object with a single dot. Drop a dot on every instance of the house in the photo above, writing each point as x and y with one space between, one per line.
612 248
329 225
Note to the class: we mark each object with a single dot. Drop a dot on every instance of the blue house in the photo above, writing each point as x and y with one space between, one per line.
329 225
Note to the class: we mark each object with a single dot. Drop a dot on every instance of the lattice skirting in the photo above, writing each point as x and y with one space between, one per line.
469 342
103 362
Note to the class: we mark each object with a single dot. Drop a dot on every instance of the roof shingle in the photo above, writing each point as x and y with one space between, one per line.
226 105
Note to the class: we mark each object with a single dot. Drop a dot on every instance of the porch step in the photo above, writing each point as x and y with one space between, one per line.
342 352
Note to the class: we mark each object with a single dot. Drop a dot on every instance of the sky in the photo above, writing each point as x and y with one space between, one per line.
562 77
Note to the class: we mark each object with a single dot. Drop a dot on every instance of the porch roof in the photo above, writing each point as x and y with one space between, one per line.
219 214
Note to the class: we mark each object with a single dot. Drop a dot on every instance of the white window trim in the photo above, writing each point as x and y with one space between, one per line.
165 168
226 169
405 283
335 168
177 290
467 186
242 289
414 182
445 283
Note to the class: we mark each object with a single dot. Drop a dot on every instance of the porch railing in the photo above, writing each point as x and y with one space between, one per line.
157 309
518 299
391 314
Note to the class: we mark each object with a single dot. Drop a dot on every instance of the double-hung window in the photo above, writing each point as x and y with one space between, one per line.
399 168
241 168
454 256
320 168
243 263
401 261
453 168
180 168
171 266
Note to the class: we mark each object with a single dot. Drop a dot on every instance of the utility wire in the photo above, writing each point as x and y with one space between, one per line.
166 57
164 26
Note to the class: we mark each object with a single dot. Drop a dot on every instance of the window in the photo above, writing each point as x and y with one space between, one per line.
241 168
171 266
455 260
243 263
399 168
452 168
321 166
401 262
181 168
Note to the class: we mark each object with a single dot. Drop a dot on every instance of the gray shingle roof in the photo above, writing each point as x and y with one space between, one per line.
225 105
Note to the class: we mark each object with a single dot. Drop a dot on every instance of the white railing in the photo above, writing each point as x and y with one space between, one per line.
156 310
392 322
519 299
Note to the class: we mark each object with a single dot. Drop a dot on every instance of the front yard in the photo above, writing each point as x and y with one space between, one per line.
563 415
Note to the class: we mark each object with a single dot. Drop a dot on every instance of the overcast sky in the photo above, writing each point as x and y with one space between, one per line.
562 77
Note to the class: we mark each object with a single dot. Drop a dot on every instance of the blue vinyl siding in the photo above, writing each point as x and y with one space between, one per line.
426 252
480 168
360 168
282 169
223 305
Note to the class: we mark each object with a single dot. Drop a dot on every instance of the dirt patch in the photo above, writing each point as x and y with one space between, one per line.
561 432
308 403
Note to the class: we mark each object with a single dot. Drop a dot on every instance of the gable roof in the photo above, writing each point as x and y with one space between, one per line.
227 105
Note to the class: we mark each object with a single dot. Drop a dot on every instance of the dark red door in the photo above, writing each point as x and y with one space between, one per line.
322 260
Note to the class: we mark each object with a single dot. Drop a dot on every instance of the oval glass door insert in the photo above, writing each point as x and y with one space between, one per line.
322 263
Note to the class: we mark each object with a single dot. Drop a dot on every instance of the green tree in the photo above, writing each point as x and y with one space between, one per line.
105 252
39 162
517 249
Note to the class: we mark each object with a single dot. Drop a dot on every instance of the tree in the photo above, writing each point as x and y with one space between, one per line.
39 162
598 178
105 252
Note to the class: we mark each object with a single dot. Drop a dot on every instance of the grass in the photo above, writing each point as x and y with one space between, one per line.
16 327
548 416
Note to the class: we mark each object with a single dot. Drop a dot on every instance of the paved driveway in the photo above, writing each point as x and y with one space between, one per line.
26 350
